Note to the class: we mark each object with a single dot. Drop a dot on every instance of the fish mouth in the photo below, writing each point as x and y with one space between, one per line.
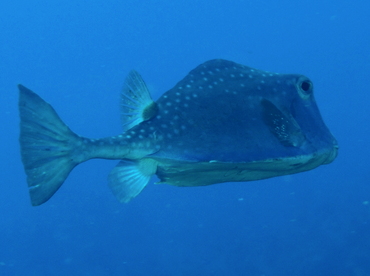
332 154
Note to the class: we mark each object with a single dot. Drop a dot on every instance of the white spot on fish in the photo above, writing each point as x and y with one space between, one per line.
210 86
205 79
168 104
232 75
188 85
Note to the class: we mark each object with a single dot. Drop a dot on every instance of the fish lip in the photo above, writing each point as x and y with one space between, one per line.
332 154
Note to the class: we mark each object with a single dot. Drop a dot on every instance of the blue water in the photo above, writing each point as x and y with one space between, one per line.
76 54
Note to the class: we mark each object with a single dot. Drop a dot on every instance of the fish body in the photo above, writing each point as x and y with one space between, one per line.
223 122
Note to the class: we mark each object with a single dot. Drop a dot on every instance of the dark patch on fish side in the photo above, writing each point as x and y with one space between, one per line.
150 111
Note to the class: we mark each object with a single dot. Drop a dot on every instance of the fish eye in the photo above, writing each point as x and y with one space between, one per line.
304 87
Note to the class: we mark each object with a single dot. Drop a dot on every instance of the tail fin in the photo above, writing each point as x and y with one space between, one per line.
47 146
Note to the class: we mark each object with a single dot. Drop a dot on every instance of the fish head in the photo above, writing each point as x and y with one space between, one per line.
290 112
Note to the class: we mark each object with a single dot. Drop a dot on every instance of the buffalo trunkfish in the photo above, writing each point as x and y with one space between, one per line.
223 122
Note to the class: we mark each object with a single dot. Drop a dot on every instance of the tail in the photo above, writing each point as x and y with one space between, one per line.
47 146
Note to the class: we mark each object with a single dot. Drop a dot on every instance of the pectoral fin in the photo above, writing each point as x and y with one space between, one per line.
285 128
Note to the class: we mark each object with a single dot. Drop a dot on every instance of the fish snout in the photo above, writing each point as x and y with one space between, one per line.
333 153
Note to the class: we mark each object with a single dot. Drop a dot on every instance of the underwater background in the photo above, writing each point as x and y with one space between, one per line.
76 55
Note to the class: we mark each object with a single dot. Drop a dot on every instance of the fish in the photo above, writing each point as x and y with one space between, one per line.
223 122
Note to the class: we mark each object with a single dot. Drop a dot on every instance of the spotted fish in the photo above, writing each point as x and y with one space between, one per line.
223 122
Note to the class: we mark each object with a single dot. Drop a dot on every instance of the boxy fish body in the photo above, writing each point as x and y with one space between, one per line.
223 122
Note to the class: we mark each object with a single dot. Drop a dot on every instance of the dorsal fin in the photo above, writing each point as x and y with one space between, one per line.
136 103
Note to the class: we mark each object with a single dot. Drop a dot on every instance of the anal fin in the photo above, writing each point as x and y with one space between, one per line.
129 178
